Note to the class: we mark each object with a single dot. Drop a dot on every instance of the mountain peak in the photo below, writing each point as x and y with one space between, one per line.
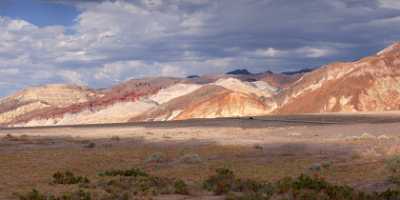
300 71
395 47
239 72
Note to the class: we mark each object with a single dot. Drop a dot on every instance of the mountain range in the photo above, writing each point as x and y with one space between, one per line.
371 84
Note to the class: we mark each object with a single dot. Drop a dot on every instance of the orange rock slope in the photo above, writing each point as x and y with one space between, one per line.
369 84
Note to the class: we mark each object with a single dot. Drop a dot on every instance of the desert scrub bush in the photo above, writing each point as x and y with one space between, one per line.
224 182
261 188
251 190
190 159
393 165
78 195
68 178
115 138
221 182
135 181
144 185
308 182
12 138
258 147
157 157
316 167
307 187
36 195
181 187
135 172
90 145
389 195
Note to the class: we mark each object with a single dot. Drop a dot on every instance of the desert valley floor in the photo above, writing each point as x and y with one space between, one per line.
263 148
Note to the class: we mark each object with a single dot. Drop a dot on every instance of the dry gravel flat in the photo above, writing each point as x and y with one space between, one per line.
269 147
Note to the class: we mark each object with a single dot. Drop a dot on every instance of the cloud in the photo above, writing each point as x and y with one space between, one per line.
111 41
394 4
303 52
72 77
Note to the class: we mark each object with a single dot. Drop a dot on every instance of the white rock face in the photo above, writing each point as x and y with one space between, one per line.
264 86
258 88
116 113
177 90
12 114
56 94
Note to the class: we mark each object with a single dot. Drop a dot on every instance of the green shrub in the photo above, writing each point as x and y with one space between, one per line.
221 183
34 195
115 138
137 182
78 195
258 147
68 178
190 159
389 195
135 172
307 182
156 158
393 165
132 183
90 145
181 187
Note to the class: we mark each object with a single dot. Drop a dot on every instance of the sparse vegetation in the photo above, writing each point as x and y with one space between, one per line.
132 183
190 159
303 187
221 183
135 172
115 138
36 195
393 165
316 167
68 178
12 138
90 145
181 187
157 157
258 147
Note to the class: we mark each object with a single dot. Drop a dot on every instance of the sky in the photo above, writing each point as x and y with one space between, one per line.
99 43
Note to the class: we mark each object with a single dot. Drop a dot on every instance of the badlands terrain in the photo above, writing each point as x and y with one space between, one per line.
371 84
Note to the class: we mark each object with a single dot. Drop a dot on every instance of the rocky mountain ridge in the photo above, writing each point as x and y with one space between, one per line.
369 84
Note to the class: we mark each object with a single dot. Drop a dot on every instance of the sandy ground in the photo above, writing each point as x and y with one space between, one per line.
262 147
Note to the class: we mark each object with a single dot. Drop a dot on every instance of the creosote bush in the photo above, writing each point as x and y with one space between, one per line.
36 195
224 181
135 172
133 182
393 165
190 159
115 138
157 157
90 145
68 178
303 187
181 187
